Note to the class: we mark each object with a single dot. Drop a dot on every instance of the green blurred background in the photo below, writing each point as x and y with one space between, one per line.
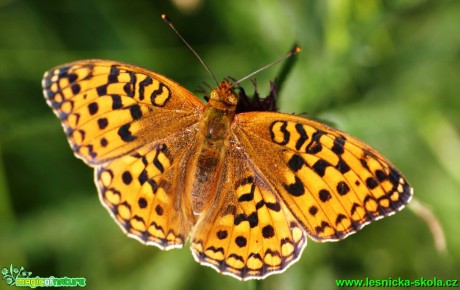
387 72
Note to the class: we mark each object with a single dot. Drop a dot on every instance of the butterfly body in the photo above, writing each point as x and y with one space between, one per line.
213 134
247 189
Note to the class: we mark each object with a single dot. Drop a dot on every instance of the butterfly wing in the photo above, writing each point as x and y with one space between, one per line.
248 232
135 128
109 108
143 191
331 182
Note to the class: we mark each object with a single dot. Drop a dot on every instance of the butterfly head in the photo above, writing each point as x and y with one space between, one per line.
223 97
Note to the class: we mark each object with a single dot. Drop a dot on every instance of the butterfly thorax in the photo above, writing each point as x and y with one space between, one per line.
219 113
212 141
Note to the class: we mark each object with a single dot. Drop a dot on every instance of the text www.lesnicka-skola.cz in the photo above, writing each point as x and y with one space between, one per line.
397 282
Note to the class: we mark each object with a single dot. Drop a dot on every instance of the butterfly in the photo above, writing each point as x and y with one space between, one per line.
246 189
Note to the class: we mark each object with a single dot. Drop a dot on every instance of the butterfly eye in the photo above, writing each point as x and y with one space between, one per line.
214 96
232 99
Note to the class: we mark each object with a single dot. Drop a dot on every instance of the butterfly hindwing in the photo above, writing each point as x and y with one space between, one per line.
143 191
247 232
332 183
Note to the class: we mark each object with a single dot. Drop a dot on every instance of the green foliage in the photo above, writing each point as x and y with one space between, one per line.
384 71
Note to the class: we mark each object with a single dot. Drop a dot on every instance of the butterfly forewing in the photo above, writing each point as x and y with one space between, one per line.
331 182
108 108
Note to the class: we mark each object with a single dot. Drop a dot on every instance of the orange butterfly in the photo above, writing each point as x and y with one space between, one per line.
247 188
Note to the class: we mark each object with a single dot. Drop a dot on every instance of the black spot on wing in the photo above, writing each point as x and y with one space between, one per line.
364 163
342 166
320 229
75 87
248 196
381 176
135 111
129 87
91 151
146 82
113 75
159 210
157 163
222 234
354 207
215 250
343 188
153 185
340 218
101 90
296 162
296 188
116 102
268 231
371 183
324 195
104 142
102 123
240 241
338 147
155 94
283 130
72 77
127 177
275 206
315 145
143 177
93 108
303 136
253 219
125 134
142 202
320 167
244 181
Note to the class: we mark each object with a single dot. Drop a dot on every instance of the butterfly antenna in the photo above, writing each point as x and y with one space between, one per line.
166 19
293 51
